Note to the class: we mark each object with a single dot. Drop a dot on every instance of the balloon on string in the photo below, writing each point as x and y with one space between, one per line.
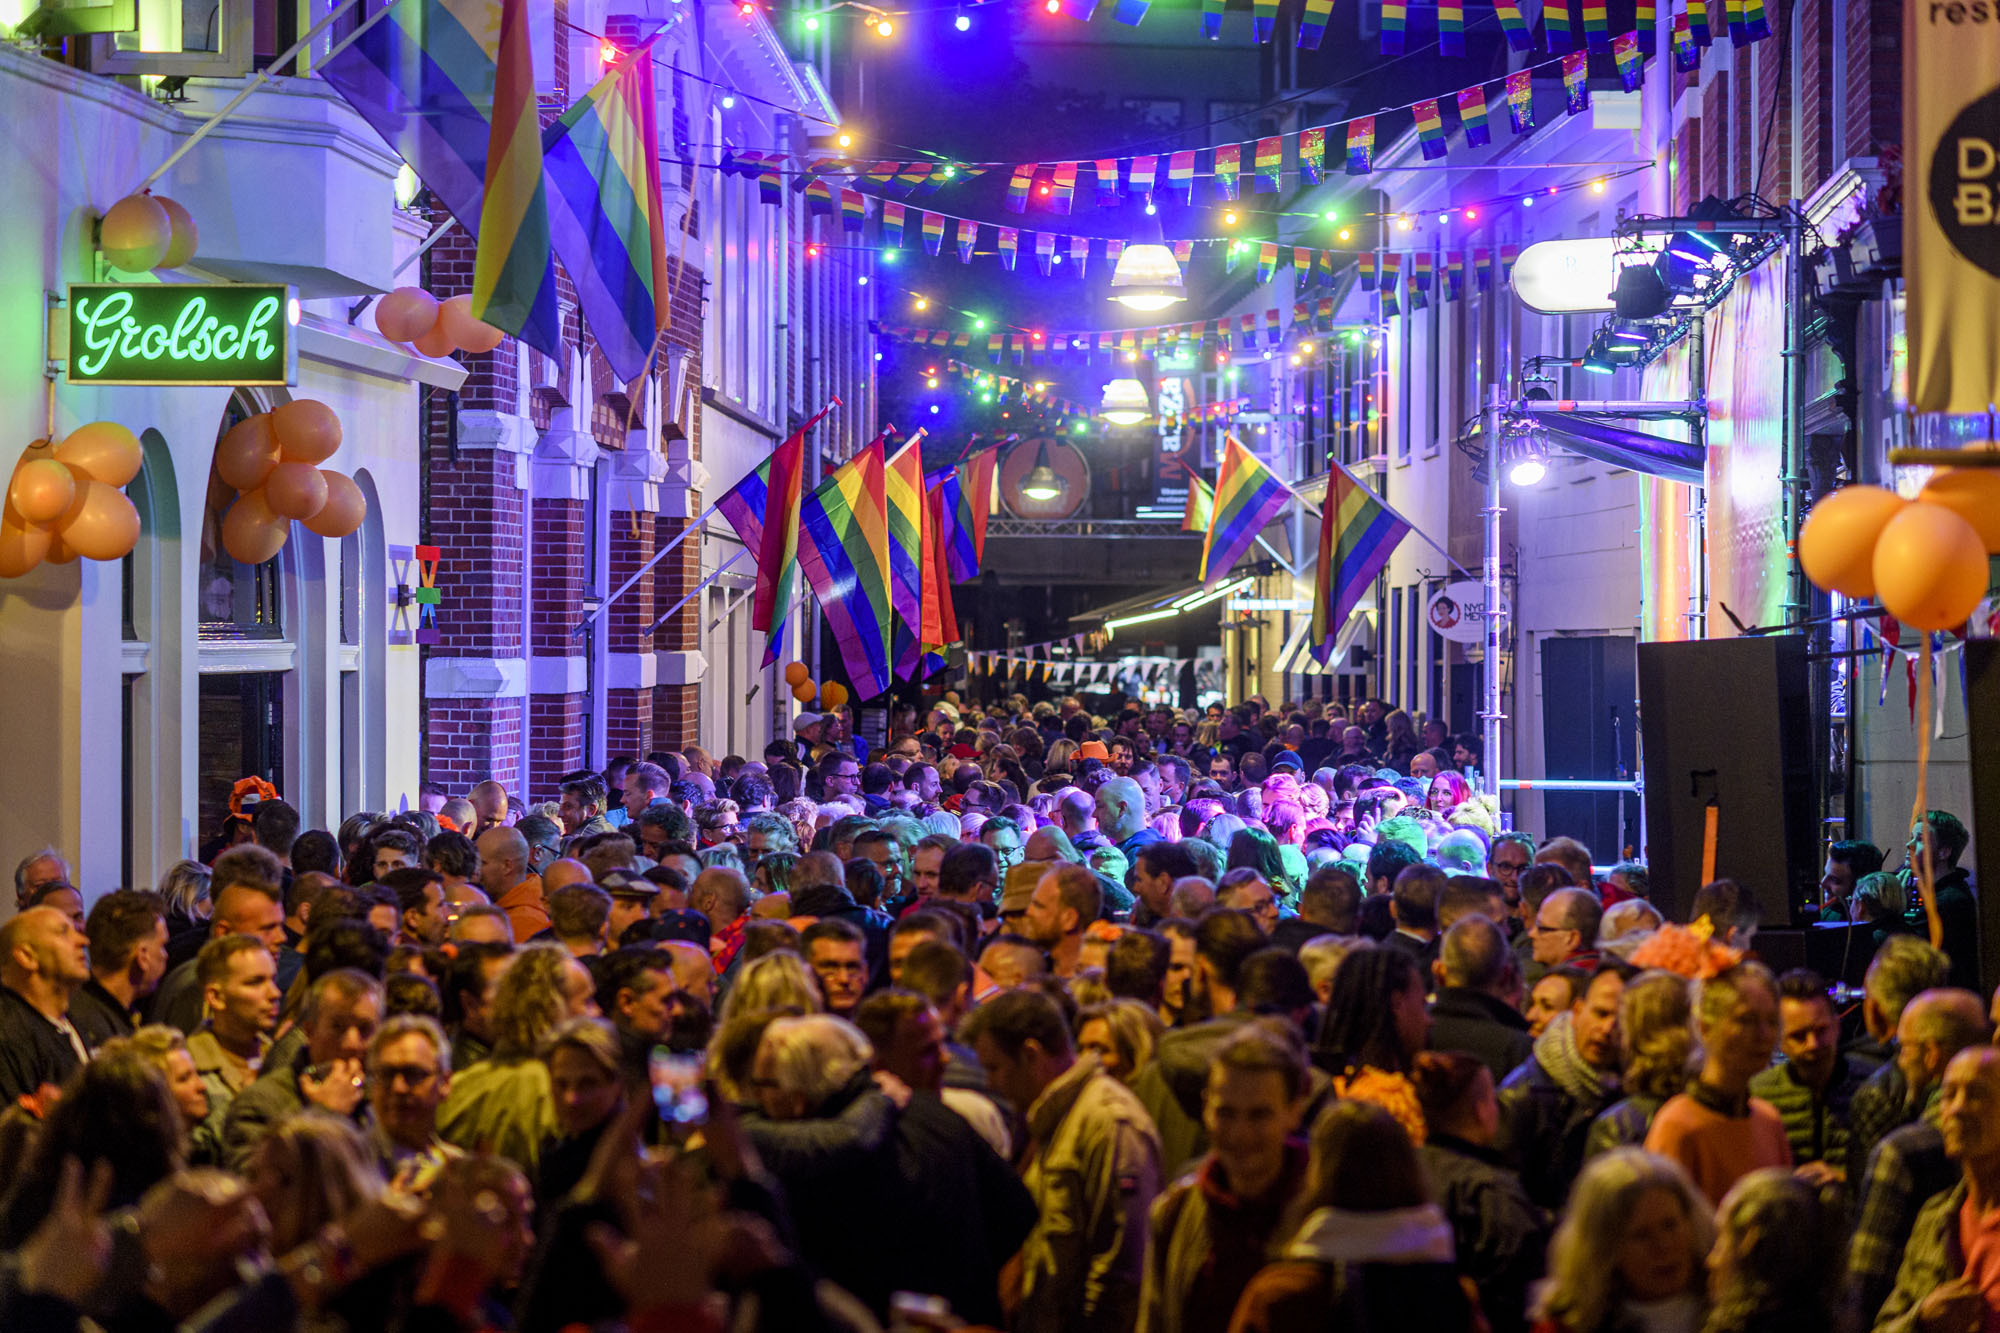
797 673
466 332
246 453
1973 493
307 430
833 694
1930 567
1837 543
42 490
295 490
251 532
23 545
101 524
803 691
434 342
406 314
182 236
344 509
135 233
102 451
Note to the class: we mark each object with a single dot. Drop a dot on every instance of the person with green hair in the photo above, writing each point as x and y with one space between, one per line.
1406 830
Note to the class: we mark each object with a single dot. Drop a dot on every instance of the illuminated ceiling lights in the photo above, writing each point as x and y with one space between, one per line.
1125 403
1191 602
1043 483
1147 278
1524 453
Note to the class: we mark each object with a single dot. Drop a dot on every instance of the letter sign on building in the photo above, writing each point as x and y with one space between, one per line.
181 333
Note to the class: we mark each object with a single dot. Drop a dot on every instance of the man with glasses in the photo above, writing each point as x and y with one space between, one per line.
409 1074
1565 929
1003 836
1510 855
840 775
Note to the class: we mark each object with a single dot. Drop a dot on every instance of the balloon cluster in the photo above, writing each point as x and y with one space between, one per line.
1925 559
64 502
146 231
799 676
272 462
435 328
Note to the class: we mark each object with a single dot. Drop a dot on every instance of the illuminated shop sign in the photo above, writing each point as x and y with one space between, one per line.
182 333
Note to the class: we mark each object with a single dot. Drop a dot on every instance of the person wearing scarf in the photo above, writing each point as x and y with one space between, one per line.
1546 1105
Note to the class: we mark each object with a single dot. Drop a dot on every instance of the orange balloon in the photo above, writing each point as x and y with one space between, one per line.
102 524
1973 493
803 692
473 335
23 545
180 248
246 455
434 342
42 491
295 490
406 314
252 533
797 673
1930 567
135 233
307 430
1837 543
60 552
833 694
344 509
103 451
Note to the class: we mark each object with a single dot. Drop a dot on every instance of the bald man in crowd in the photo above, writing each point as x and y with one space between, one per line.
503 873
43 960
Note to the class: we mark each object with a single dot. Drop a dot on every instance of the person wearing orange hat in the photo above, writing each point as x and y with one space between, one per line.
1093 750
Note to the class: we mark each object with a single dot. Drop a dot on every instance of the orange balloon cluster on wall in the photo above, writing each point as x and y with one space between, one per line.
435 328
272 461
799 676
146 231
1926 559
66 501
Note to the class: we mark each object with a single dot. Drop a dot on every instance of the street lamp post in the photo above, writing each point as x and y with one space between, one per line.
1491 715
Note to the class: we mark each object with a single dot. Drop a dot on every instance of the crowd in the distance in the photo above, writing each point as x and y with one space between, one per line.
1032 1020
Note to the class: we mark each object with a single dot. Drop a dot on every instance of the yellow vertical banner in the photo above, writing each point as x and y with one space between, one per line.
1951 208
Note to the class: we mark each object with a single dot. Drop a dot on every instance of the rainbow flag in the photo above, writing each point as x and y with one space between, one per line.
914 174
1131 13
968 239
1017 188
1451 27
1139 180
1010 246
1064 187
853 210
1270 163
1360 145
969 490
883 172
1697 14
1576 82
1686 54
1395 13
1312 26
844 550
1482 268
770 186
1105 169
937 621
1367 261
1555 17
1267 261
1430 130
1302 265
1756 23
933 232
994 343
1246 333
903 478
1312 155
1508 254
1199 514
1228 167
1645 17
893 215
513 274
1274 328
1392 264
1248 496
747 509
1596 26
1357 535
1263 19
819 198
1180 174
1183 251
1079 253
1045 254
1521 101
1421 264
1211 19
1631 65
1472 116
1733 18
602 176
1454 274
1511 23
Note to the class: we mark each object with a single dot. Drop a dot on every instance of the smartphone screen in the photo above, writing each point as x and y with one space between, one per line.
677 1087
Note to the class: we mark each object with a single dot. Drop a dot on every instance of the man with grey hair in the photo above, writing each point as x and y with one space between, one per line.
409 1075
1472 1012
1121 813
36 872
342 1011
1565 929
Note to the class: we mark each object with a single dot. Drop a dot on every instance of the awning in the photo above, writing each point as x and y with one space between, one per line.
1297 658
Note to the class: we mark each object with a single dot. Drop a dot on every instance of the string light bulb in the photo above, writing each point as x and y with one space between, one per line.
923 303
1345 234
1472 215
844 139
1229 218
1597 186
1527 201
812 23
729 101
963 22
608 53
1403 222
884 28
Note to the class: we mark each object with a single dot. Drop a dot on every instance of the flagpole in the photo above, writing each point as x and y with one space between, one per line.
645 569
437 234
720 570
258 80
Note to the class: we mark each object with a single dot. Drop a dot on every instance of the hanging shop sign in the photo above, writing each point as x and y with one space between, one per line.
1951 220
1457 611
181 333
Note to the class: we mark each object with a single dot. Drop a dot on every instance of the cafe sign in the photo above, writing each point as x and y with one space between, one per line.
181 333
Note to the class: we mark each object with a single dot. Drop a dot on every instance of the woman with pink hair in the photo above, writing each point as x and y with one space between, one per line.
1447 792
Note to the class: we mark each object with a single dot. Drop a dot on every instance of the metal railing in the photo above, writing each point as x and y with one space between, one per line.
1001 525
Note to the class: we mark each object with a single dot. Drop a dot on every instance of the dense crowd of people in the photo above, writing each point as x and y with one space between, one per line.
1027 1019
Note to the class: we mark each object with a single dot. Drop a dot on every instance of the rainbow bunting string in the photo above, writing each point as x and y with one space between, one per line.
1644 18
892 225
1451 27
1521 101
1010 246
1454 274
1106 171
1421 264
1631 65
1312 155
1576 82
1430 130
1472 116
819 198
933 232
1267 261
1064 188
1482 268
853 210
1274 329
1312 25
1395 14
1596 26
1513 24
1246 333
1180 174
1360 145
1392 264
1686 54
1228 168
1555 18
1367 267
1756 23
1270 161
1697 17
1017 188
968 239
1144 173
1733 18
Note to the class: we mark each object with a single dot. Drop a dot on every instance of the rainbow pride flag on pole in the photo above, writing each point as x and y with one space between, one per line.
1357 535
1199 515
1248 496
513 275
844 550
601 161
775 544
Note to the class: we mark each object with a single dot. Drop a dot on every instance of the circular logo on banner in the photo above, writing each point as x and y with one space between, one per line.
1965 182
1458 611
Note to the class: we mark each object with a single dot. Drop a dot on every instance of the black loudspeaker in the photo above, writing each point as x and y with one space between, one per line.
1590 734
1982 711
1725 722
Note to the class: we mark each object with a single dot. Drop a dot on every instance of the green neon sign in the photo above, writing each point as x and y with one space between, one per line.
181 333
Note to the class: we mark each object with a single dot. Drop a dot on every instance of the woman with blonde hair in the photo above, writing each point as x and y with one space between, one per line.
1654 1016
1629 1252
778 980
307 1171
1121 1034
184 890
504 1103
1061 757
166 1050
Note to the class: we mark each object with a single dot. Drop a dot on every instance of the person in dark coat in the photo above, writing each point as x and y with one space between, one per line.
1546 1105
1502 1236
43 961
819 889
1470 1013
